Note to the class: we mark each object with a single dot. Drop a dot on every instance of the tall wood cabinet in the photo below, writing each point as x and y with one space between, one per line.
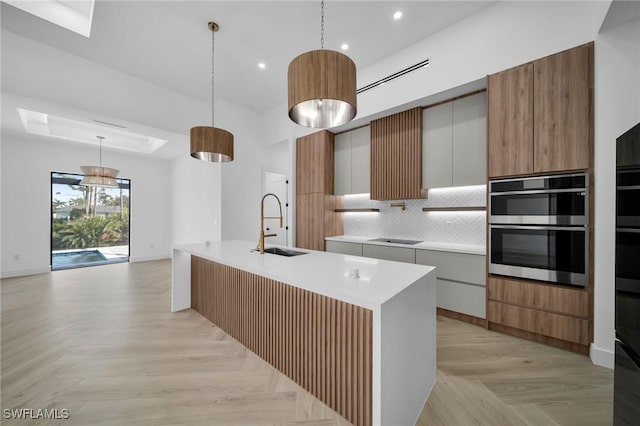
540 121
540 115
315 202
396 156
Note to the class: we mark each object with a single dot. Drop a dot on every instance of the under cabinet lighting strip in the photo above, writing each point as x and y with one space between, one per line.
393 76
454 209
364 210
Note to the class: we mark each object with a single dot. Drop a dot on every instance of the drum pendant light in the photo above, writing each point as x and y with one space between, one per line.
322 86
212 143
98 175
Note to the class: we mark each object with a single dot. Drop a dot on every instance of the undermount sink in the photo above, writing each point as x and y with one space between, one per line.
395 241
283 252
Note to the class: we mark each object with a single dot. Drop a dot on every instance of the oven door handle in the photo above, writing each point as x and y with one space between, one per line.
540 191
628 230
628 187
542 228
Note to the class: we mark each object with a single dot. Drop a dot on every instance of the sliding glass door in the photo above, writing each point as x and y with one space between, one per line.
89 225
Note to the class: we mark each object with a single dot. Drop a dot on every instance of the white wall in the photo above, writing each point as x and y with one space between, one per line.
617 109
499 37
26 200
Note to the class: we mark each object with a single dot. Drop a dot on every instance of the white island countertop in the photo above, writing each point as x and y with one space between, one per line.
424 245
320 272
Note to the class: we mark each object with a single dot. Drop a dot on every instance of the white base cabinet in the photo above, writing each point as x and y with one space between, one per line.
461 280
461 277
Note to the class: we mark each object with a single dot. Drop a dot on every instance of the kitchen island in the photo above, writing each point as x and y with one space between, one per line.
357 333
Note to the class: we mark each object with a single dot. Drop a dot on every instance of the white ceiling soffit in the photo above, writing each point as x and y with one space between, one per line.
43 124
74 15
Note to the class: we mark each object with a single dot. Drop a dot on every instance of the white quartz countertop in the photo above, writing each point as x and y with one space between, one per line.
425 245
319 272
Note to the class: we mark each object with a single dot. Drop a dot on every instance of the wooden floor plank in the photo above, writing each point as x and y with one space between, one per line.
102 343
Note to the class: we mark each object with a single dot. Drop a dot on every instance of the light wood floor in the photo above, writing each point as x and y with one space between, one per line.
102 343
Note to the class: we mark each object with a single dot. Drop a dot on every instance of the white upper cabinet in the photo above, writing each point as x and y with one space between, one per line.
352 161
437 137
454 143
470 140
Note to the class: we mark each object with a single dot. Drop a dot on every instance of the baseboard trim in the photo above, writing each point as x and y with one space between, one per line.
461 317
24 272
149 258
602 357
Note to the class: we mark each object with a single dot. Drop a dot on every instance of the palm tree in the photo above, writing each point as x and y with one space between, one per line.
85 232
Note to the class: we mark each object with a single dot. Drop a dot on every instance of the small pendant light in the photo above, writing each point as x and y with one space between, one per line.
98 175
212 143
322 86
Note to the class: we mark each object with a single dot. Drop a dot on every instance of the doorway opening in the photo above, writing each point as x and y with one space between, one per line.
89 225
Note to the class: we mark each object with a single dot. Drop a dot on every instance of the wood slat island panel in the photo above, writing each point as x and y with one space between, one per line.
323 344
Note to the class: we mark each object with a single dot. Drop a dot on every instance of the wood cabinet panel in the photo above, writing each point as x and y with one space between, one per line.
570 329
396 156
315 163
550 298
510 121
316 219
563 86
323 344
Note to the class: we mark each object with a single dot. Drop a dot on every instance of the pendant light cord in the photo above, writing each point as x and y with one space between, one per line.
322 24
212 78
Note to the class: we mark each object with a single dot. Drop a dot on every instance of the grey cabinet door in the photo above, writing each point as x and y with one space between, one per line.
360 160
437 130
343 247
470 140
342 164
399 254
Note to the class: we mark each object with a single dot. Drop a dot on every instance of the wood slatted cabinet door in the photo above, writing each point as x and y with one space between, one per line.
396 156
510 122
563 86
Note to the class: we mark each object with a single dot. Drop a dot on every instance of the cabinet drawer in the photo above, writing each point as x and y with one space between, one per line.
399 254
549 298
463 267
468 299
561 327
354 249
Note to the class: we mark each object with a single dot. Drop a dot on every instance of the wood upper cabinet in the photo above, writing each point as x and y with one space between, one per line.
563 86
314 163
510 121
540 116
396 156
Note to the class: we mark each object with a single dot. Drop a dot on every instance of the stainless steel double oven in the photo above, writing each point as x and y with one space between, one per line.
539 228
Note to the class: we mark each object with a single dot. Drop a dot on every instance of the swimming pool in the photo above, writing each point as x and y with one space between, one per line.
80 259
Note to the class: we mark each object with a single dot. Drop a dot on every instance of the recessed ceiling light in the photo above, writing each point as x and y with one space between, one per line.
344 46
397 15
262 65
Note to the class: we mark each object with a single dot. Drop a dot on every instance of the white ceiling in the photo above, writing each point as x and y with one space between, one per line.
167 43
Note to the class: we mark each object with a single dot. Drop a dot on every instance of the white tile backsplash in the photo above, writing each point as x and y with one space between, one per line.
461 227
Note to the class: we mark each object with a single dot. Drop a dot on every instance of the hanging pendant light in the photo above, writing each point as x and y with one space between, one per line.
98 175
322 86
212 143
